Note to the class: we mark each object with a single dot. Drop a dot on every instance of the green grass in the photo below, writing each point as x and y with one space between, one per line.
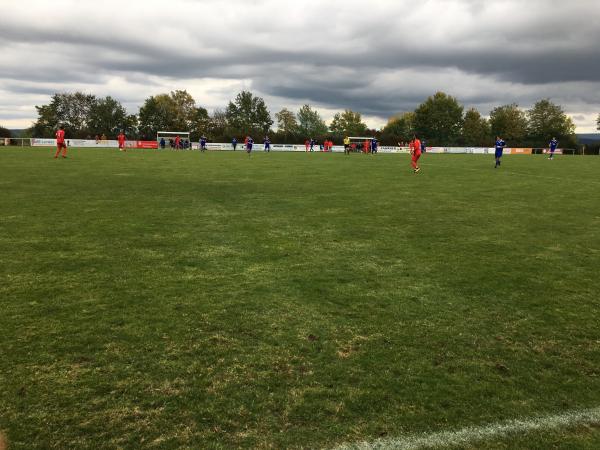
186 300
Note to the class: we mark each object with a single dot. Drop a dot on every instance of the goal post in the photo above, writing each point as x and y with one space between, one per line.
357 143
168 138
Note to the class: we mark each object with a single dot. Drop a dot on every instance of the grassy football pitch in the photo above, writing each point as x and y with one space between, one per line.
185 300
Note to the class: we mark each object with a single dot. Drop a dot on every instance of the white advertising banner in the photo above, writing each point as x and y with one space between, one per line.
219 146
87 143
36 142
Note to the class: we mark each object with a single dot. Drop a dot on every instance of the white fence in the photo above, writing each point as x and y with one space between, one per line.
91 143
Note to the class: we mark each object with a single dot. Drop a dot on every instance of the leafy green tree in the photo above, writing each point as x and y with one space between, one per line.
108 116
598 123
73 111
476 129
348 123
439 119
176 111
310 123
286 122
287 127
4 132
248 114
510 123
156 114
547 120
186 115
218 126
200 124
400 128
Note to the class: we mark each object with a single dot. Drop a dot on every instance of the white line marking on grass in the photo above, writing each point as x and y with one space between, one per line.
470 435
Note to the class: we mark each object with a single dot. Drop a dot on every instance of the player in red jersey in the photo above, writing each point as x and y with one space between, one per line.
60 142
121 138
415 151
177 142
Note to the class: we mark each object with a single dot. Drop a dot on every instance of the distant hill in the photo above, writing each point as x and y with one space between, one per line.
16 133
588 138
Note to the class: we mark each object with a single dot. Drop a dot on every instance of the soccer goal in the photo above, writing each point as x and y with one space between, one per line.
168 140
358 144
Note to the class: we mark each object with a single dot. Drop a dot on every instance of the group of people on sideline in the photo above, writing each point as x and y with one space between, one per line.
310 145
370 145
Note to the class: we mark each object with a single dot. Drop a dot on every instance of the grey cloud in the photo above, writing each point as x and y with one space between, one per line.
504 51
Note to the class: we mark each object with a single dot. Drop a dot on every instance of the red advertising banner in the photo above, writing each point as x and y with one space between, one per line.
146 144
520 151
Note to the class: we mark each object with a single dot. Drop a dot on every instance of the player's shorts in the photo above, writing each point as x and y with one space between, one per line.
61 145
552 150
498 153
121 145
249 147
416 156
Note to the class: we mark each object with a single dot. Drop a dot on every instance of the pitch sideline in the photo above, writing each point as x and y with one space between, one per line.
473 434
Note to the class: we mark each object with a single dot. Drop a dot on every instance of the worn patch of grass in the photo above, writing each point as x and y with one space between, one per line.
179 300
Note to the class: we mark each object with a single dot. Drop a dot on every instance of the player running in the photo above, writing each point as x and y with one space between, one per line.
203 144
415 151
500 144
249 142
121 139
553 145
347 145
60 142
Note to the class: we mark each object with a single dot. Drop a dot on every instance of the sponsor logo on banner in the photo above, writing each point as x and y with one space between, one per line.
521 151
90 143
558 151
392 149
146 144
43 142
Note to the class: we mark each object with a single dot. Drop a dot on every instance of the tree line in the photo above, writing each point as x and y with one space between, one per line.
441 120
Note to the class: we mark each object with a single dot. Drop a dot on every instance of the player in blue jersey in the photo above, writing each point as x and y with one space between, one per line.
373 146
203 144
423 146
553 145
249 142
500 144
234 143
267 143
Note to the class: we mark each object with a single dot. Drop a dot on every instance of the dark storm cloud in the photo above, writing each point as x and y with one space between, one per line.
377 58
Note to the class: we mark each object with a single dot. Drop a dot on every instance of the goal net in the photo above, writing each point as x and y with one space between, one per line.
168 140
360 144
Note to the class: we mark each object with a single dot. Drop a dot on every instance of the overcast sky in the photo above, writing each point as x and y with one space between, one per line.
376 57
